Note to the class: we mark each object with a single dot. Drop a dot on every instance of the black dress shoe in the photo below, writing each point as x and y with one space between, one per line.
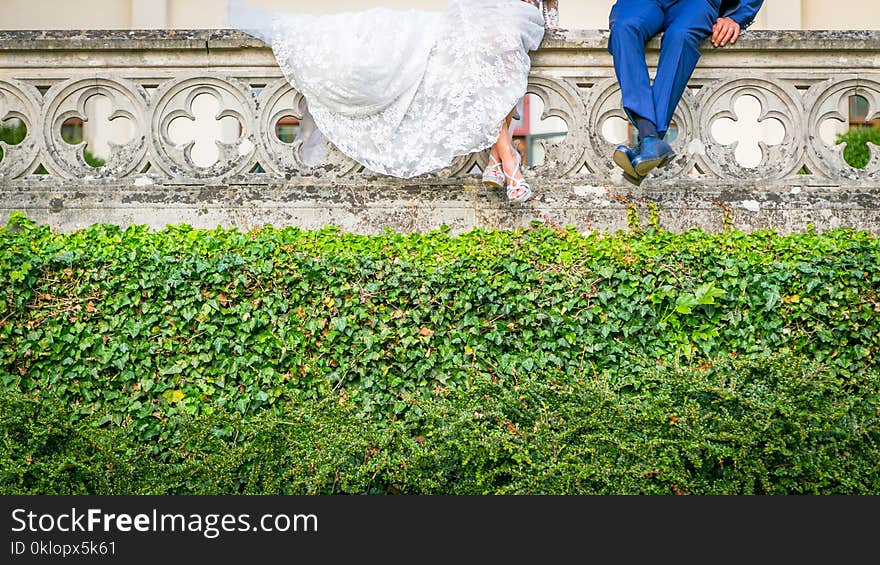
654 153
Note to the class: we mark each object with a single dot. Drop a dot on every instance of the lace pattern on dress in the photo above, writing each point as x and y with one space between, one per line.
406 106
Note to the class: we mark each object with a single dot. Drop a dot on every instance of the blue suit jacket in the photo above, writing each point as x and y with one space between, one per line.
742 12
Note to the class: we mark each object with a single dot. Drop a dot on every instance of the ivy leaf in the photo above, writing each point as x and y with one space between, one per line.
686 303
707 293
173 396
772 298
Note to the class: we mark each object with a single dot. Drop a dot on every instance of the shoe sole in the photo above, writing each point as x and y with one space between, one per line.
637 181
622 161
492 184
523 201
666 160
645 167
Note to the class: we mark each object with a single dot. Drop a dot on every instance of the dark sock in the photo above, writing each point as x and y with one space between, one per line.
646 127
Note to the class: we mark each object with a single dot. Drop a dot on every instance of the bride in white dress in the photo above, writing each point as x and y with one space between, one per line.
404 92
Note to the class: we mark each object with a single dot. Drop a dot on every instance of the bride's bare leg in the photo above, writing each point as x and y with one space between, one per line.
503 140
507 153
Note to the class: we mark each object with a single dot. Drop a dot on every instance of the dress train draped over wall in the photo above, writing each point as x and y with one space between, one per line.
403 92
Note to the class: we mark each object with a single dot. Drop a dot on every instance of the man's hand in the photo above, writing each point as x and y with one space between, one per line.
724 31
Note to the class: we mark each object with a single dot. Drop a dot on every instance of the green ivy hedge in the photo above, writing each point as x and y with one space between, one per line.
523 361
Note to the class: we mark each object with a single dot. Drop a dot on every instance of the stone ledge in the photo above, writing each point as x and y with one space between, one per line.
371 206
205 39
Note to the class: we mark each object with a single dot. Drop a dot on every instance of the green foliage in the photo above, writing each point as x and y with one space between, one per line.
856 152
317 447
771 427
522 361
781 426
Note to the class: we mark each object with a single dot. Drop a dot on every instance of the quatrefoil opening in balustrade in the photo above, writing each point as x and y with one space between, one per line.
100 129
853 130
609 127
843 120
203 127
94 127
748 132
280 116
537 129
551 124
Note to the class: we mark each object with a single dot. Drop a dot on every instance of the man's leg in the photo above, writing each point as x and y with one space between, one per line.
632 24
688 23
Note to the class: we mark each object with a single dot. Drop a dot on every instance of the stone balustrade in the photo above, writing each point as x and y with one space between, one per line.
752 137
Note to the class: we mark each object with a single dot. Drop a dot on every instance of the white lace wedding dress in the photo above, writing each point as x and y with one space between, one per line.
404 92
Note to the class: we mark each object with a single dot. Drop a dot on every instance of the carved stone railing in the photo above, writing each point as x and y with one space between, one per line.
797 82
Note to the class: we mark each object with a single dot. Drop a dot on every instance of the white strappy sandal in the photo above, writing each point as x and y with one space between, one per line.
515 185
493 175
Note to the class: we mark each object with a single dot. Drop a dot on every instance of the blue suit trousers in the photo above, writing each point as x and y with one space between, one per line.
685 24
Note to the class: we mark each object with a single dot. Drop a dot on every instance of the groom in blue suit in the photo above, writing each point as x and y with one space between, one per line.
685 24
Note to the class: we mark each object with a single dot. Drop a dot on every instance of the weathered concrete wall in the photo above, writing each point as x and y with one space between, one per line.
797 82
373 205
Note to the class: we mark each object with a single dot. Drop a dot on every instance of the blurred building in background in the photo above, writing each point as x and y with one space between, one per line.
592 14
